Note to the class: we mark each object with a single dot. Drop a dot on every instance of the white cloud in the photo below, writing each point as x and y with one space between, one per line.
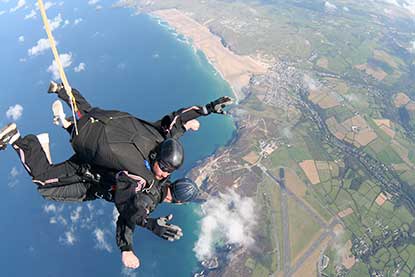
74 219
90 206
101 241
14 112
22 60
66 60
21 38
47 5
49 208
2 12
67 22
62 220
392 2
346 9
20 4
80 67
30 15
75 214
77 21
409 5
56 22
13 181
53 208
41 46
92 2
68 238
14 172
330 7
229 218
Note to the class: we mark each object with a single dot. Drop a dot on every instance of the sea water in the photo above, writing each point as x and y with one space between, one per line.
132 63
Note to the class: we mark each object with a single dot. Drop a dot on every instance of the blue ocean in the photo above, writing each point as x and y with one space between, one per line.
118 60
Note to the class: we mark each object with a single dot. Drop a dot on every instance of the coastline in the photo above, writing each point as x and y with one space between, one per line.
235 69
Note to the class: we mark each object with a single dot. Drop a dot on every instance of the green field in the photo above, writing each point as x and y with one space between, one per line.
300 33
300 223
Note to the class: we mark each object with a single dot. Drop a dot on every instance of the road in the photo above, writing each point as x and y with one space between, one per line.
285 192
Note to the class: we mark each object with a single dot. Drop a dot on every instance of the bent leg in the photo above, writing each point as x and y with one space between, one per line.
76 192
59 182
36 163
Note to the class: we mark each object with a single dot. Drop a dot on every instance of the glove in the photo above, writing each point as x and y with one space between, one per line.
218 105
161 228
54 87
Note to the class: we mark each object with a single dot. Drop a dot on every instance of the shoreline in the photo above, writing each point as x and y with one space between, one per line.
235 69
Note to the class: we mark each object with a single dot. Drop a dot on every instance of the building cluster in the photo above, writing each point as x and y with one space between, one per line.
267 147
277 86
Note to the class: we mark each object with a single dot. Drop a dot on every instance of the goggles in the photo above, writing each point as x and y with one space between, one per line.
165 167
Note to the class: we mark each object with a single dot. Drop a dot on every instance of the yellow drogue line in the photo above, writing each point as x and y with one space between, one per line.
62 74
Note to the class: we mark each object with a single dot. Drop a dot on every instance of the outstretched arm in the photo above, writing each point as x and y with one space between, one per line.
124 236
175 124
131 213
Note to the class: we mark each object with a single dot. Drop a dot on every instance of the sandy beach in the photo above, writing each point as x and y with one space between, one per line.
235 69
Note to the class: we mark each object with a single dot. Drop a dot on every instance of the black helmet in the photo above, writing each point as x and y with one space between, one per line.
170 155
184 190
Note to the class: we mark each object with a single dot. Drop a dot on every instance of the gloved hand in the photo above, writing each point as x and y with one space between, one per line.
163 229
54 87
218 105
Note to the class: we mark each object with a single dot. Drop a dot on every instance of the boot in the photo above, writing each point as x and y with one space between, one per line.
59 117
54 87
8 135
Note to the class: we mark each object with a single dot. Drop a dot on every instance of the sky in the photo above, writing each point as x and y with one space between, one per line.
158 74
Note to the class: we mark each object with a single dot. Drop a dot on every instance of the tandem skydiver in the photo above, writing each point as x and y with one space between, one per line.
135 154
74 181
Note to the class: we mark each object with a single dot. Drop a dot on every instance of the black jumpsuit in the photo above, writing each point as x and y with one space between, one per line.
120 149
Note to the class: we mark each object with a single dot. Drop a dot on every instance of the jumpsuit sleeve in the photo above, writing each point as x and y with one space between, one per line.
131 208
129 201
172 125
130 216
124 235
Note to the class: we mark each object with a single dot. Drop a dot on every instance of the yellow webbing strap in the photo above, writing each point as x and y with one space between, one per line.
62 74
